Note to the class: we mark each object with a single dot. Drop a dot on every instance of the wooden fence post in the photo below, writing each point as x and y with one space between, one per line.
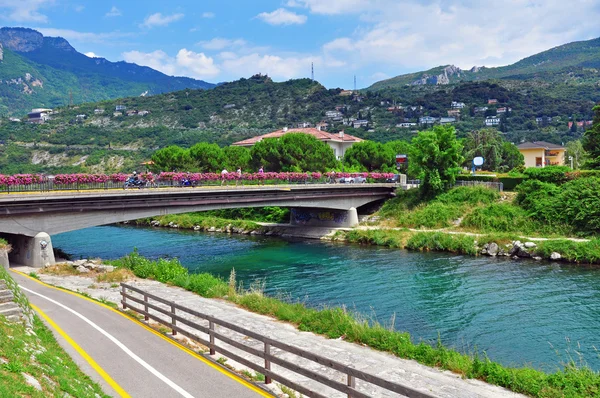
146 307
211 326
267 362
351 383
173 321
124 298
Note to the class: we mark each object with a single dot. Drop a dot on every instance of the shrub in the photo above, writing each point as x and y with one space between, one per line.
580 204
511 182
540 200
471 195
440 241
498 217
551 174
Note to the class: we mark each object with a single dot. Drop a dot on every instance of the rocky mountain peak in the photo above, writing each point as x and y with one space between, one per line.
21 39
59 43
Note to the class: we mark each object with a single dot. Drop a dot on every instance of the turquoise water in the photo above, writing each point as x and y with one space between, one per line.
518 312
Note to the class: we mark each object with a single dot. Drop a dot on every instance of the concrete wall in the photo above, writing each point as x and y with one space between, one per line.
531 154
324 217
31 251
4 259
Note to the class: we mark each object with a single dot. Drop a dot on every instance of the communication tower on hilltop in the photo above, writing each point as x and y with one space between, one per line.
312 72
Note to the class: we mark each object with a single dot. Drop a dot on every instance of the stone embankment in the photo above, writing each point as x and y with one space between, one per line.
515 250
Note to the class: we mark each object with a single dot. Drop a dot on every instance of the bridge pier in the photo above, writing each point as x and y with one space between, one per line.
315 217
33 251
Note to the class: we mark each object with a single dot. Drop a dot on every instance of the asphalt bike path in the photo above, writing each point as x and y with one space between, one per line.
126 358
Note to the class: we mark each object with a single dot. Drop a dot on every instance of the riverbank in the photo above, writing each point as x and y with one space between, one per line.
337 324
567 249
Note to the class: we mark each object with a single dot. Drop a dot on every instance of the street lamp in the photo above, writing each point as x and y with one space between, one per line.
571 160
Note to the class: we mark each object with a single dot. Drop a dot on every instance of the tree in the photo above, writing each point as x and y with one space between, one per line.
237 156
575 149
207 157
486 143
591 142
293 152
436 157
303 152
369 156
266 153
171 158
511 157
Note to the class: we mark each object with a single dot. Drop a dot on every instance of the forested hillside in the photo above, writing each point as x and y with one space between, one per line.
574 63
47 72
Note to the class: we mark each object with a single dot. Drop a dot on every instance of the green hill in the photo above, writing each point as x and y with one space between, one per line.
47 72
576 62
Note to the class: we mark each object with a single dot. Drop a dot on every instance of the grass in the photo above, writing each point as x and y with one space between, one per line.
577 252
191 220
4 245
37 353
471 209
572 381
115 277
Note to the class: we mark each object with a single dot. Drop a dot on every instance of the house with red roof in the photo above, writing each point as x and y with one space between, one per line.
339 142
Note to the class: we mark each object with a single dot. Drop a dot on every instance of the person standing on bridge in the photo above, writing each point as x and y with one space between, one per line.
261 175
224 176
238 176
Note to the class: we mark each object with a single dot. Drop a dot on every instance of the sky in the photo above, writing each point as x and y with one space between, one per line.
225 40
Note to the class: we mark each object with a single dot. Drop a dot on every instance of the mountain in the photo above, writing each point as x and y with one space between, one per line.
576 62
38 71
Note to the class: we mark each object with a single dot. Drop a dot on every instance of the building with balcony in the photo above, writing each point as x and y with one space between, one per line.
541 154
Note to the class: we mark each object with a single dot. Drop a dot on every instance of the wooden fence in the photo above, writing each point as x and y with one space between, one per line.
173 311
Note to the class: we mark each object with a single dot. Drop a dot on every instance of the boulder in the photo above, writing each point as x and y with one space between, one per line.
106 268
82 269
529 245
197 228
523 253
78 263
555 256
493 249
538 258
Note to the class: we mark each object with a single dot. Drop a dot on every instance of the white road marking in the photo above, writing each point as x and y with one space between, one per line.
122 346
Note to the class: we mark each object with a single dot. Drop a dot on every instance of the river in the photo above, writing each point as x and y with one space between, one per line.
518 312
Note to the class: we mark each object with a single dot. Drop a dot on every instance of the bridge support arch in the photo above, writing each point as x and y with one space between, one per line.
32 251
331 218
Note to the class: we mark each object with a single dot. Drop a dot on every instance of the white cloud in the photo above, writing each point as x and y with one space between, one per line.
79 8
330 7
199 64
208 14
278 67
24 10
92 55
158 19
114 12
83 37
185 63
219 43
281 16
464 33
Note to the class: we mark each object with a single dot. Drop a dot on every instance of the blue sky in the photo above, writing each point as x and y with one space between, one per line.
372 39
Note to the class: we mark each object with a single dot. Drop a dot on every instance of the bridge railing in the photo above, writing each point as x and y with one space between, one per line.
169 314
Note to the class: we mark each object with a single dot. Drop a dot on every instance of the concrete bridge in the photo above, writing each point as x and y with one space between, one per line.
28 220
